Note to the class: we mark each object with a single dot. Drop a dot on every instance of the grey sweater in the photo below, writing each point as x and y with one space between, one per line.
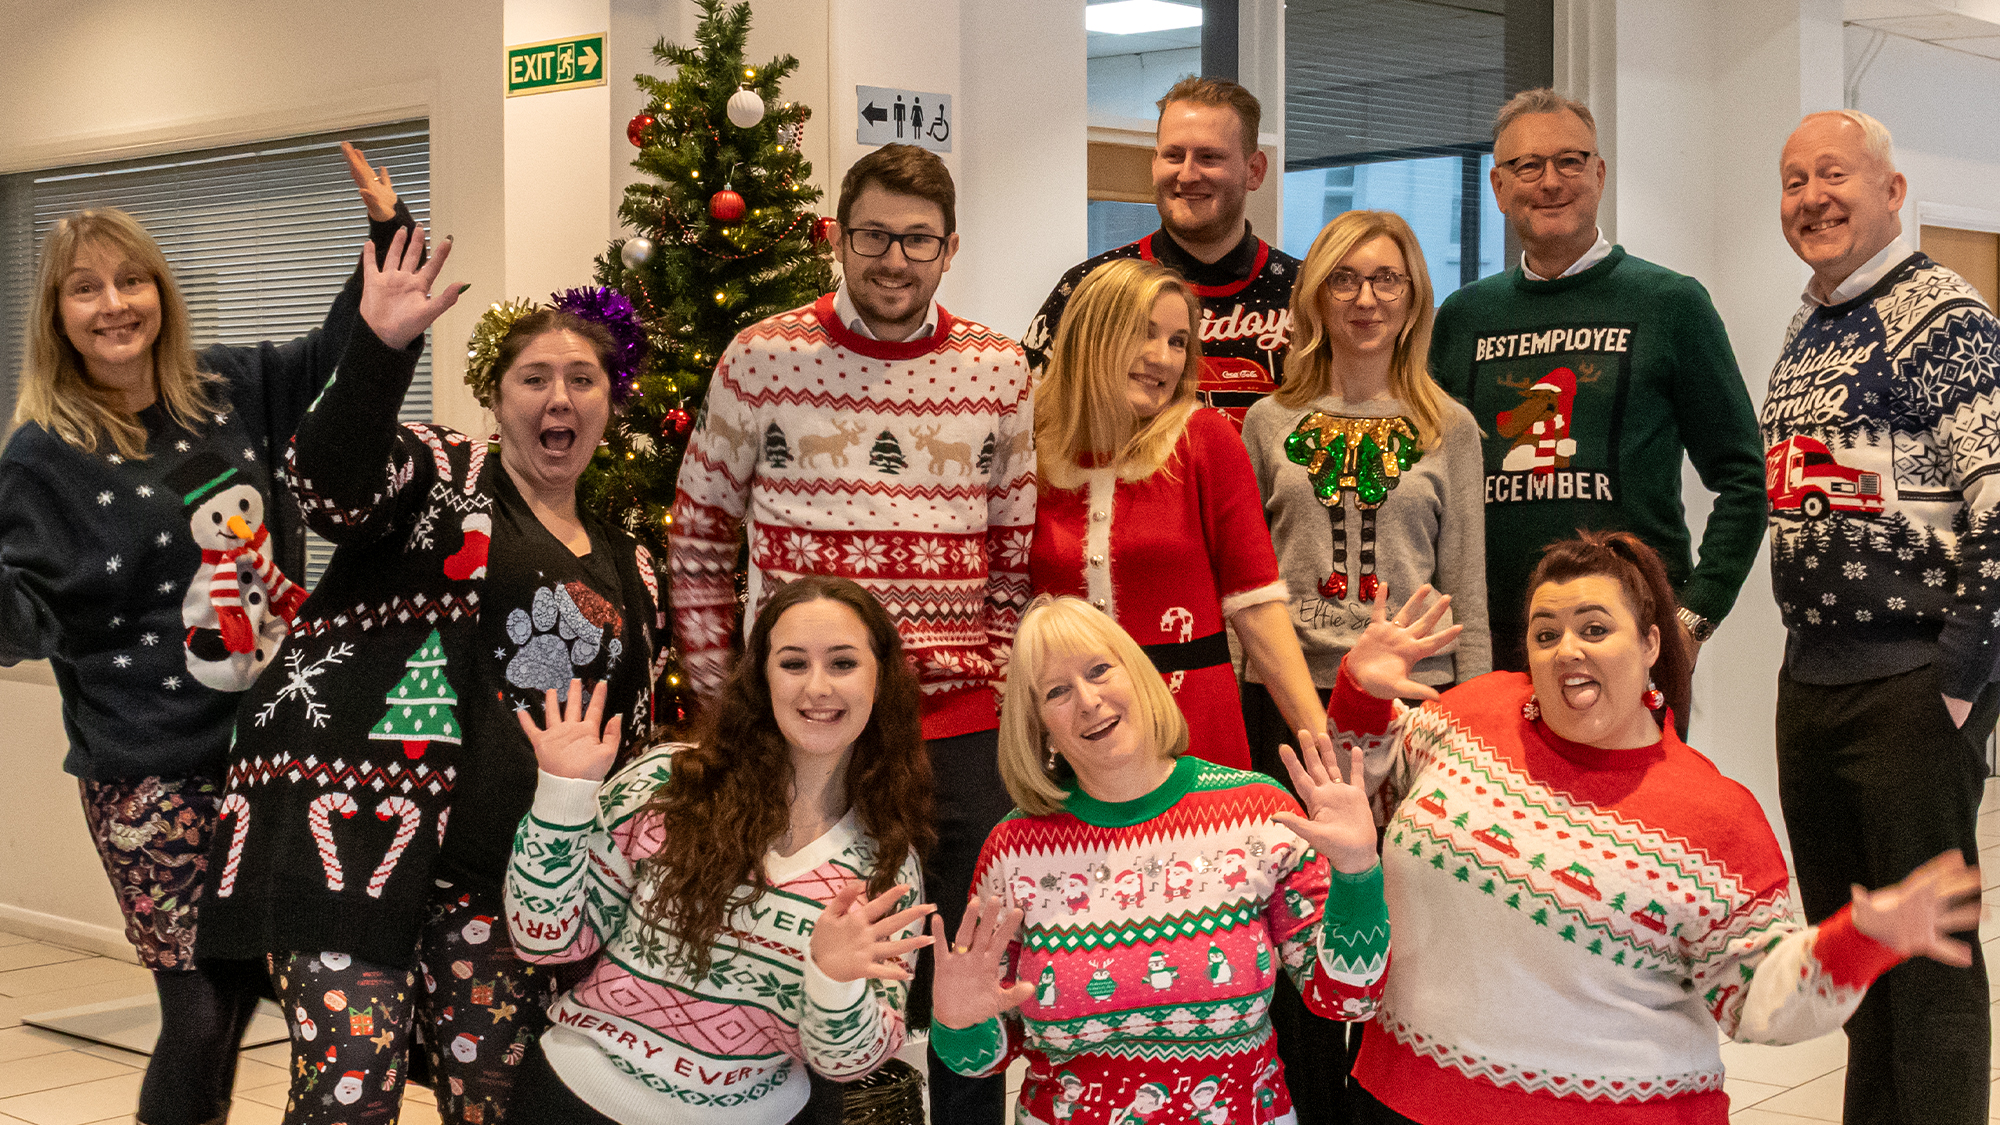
1430 528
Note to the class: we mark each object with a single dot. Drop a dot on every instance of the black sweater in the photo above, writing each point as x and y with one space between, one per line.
98 554
383 716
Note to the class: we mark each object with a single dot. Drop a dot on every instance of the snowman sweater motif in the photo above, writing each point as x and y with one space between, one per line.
1630 900
907 466
1155 929
103 563
638 1040
1882 463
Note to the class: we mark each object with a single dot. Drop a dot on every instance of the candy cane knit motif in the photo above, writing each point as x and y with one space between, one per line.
390 809
236 805
318 818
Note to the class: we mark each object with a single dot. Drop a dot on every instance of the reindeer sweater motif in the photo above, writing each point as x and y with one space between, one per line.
1884 476
908 467
1155 930
1572 924
1588 388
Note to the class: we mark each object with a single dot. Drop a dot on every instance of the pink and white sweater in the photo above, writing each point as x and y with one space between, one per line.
1573 924
907 466
638 1040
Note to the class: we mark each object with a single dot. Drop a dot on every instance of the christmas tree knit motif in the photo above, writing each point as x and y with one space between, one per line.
887 454
421 704
1366 456
777 453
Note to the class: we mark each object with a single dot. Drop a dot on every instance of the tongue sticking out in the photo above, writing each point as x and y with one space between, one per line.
558 440
1581 696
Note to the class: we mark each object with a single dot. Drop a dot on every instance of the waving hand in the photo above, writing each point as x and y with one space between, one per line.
396 298
1338 822
1381 660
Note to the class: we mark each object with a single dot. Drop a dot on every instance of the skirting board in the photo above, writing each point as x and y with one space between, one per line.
85 937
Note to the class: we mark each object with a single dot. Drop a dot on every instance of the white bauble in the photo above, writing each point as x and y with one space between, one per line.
745 108
635 251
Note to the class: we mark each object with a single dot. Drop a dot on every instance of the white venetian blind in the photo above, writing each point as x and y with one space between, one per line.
260 236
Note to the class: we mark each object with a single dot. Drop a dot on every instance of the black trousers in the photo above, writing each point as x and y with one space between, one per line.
970 801
1317 1052
1874 780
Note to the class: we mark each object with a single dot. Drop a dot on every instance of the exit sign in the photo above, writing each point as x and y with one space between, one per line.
556 64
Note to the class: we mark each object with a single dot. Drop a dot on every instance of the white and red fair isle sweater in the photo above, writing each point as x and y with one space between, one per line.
907 466
1154 931
1572 924
637 1039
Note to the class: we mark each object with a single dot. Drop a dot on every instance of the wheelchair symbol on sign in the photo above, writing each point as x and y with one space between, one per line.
940 129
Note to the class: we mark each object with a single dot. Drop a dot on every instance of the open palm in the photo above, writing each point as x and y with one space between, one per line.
1381 659
1338 822
396 298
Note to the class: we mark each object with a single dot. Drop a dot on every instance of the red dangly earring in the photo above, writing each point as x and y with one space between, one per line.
1532 709
1654 699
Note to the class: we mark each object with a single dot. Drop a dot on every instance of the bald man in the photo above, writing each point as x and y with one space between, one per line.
1882 464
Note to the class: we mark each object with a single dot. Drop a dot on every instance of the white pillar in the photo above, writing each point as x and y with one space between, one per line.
558 159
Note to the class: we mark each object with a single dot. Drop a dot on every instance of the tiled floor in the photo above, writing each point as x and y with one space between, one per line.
51 1079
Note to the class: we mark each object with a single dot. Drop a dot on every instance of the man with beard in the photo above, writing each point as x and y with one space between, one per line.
1205 162
875 436
1590 372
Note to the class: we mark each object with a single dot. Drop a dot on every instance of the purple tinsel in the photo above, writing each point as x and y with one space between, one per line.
609 307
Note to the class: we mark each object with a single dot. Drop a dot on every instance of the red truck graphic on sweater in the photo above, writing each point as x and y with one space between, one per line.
1801 474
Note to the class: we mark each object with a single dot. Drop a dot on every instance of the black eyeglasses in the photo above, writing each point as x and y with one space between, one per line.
875 243
1345 285
1528 169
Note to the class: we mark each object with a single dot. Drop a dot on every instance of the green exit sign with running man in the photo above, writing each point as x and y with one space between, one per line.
557 64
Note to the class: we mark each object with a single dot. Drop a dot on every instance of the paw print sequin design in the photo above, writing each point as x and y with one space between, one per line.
559 636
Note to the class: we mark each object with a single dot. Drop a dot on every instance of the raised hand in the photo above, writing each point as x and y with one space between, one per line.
967 988
396 298
1338 822
1381 659
1917 916
577 741
376 190
851 939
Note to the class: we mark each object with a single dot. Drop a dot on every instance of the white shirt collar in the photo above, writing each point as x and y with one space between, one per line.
1598 251
1864 278
843 307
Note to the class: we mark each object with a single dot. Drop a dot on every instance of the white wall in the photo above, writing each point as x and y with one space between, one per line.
1943 107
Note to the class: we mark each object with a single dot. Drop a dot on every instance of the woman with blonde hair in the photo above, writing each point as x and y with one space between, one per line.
1362 437
1148 507
1145 901
133 504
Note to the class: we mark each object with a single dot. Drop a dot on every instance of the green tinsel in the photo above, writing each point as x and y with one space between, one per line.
482 349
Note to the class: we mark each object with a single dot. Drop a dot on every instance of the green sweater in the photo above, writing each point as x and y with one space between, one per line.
1587 389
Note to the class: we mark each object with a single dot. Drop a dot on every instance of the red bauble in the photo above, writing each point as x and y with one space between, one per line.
818 230
678 421
726 206
635 129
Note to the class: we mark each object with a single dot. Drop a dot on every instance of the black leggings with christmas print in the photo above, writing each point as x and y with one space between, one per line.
477 1007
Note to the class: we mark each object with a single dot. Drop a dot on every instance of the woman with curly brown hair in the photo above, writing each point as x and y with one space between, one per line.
753 895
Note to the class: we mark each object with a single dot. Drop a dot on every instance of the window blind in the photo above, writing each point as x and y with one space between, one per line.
260 237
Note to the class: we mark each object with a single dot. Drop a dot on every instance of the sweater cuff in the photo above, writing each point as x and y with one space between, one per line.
1353 710
1242 600
828 994
969 1050
565 801
1851 958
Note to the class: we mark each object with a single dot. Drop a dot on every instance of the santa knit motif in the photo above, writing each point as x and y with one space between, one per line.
638 1039
1631 900
1882 435
907 467
1154 932
1246 315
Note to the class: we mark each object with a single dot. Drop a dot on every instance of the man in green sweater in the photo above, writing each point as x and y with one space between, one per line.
1590 372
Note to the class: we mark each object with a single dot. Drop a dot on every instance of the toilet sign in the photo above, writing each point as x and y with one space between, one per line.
555 64
890 116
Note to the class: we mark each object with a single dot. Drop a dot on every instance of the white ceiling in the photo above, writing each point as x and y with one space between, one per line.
1972 26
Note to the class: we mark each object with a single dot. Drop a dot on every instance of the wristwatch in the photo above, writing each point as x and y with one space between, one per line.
1698 627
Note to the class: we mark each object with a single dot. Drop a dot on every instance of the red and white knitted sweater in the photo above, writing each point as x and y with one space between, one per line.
1572 924
907 466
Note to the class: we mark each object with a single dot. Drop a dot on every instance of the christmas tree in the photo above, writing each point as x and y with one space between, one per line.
724 237
887 455
421 705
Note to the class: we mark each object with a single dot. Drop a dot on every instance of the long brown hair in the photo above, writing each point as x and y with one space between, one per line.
56 392
1080 407
1621 555
727 799
1309 359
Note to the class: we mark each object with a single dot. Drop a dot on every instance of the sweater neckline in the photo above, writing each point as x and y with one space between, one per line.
1874 292
1585 756
1124 814
782 869
1563 284
849 340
